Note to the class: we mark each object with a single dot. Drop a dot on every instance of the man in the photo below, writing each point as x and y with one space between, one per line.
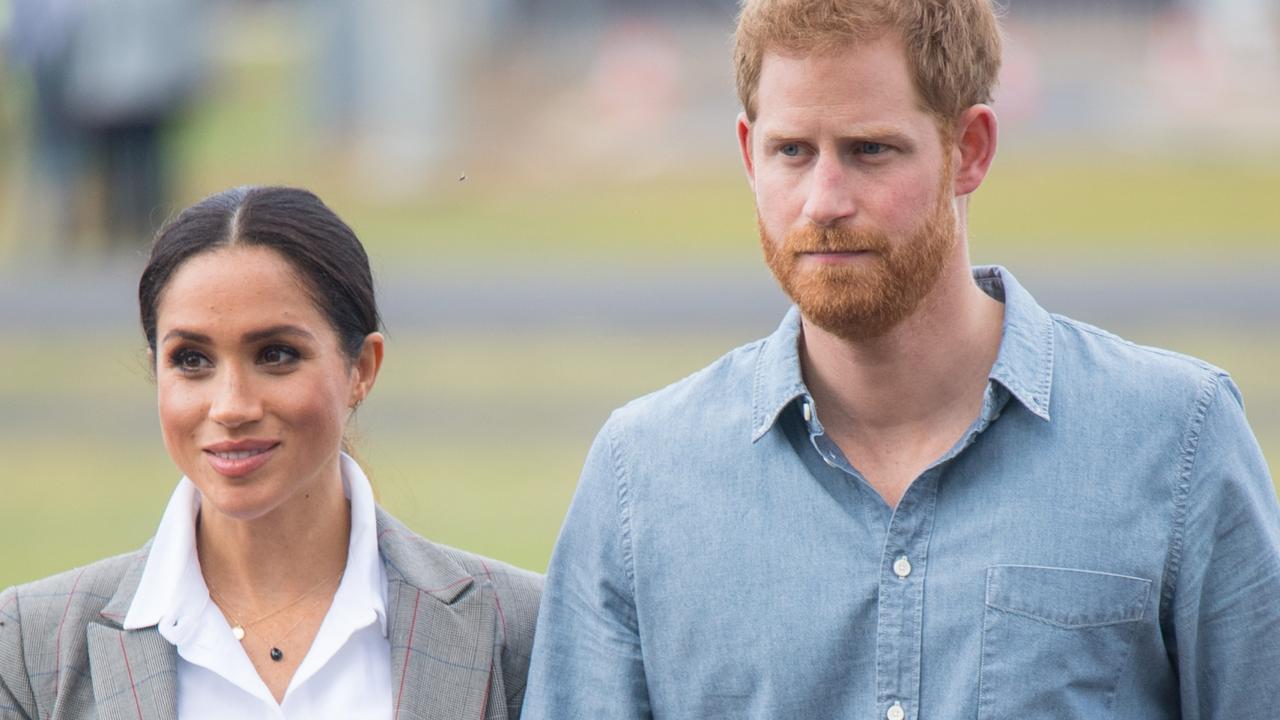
923 496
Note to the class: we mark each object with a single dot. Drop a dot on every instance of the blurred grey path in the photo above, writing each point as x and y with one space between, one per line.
729 303
1230 296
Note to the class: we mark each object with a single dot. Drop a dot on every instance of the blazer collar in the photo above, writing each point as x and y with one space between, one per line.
441 631
135 672
442 628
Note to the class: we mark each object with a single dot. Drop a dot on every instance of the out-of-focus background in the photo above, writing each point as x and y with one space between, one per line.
551 195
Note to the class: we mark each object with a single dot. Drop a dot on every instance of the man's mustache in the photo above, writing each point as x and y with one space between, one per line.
815 239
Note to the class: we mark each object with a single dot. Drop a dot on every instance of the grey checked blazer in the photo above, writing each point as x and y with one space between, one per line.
460 627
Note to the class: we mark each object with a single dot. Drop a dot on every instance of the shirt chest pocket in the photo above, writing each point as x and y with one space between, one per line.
1054 641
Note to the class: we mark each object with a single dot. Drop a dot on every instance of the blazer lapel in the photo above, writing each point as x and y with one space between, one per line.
134 671
441 627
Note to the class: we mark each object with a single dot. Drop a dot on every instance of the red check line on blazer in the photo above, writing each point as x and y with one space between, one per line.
408 651
57 643
129 669
496 601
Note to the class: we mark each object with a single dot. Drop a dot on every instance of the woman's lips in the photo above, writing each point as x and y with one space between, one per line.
234 463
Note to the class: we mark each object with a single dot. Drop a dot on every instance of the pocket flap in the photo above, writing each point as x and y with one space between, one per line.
1066 597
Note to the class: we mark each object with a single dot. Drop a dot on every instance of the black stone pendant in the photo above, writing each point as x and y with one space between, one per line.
276 654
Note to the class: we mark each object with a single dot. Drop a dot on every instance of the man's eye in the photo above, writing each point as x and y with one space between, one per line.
871 148
278 355
790 149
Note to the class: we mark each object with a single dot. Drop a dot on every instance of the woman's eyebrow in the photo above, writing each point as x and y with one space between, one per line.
249 337
185 335
276 331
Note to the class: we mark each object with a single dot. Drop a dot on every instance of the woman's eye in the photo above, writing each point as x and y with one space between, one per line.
278 355
189 361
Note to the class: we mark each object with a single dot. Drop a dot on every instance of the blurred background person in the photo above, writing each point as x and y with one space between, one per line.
110 77
39 42
133 67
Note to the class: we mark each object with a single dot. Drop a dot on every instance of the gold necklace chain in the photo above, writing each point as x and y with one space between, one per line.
238 630
276 653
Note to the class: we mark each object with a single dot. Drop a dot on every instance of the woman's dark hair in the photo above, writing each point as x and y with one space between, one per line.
295 223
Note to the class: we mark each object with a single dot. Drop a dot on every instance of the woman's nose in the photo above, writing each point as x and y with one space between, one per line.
235 402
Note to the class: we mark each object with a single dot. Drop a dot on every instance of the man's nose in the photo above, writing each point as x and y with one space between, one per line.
235 401
830 197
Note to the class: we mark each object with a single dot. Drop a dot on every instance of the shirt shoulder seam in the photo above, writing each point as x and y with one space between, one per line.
1188 454
623 499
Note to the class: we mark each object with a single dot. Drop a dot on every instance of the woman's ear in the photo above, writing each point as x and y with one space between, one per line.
365 368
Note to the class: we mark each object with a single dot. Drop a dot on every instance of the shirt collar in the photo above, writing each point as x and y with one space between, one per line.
1024 364
171 582
172 585
778 379
364 583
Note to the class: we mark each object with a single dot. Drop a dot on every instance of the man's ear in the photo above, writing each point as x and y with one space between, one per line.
366 367
744 145
975 134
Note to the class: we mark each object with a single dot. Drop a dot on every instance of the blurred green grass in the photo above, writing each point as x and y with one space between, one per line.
473 440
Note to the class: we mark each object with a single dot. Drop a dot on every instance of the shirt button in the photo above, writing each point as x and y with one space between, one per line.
807 410
902 567
896 712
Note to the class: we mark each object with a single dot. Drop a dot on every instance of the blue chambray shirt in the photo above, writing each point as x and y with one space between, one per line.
1103 542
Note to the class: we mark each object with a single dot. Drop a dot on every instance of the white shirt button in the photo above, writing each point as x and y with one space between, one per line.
807 410
902 567
896 712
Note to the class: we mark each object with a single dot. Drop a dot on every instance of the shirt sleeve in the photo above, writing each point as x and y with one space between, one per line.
1226 598
16 699
587 662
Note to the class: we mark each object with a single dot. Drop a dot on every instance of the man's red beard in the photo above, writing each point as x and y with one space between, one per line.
865 298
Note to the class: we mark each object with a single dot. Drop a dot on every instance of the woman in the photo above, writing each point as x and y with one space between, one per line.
274 586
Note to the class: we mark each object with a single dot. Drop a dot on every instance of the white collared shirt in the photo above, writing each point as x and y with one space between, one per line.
346 672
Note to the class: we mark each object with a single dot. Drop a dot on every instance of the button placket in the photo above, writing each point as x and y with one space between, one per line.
901 598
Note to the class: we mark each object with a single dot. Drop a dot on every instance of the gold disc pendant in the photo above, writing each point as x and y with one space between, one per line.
238 632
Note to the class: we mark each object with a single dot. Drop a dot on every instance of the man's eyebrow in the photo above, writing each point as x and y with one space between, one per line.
891 133
249 337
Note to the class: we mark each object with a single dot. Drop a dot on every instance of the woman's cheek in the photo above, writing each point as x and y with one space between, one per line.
180 416
319 413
